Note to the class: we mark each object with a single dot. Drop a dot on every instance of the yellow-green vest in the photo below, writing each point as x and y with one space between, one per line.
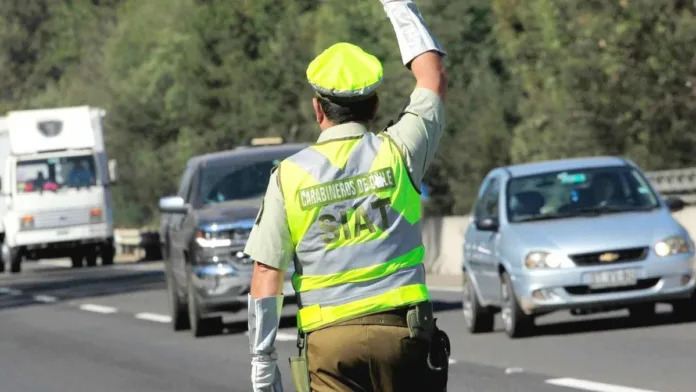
354 216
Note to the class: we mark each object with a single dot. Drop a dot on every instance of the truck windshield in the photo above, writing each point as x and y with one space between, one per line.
578 192
53 174
221 183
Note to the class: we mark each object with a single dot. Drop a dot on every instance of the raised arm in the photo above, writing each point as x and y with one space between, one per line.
420 50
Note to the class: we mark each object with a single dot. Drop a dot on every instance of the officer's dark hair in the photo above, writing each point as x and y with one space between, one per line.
339 112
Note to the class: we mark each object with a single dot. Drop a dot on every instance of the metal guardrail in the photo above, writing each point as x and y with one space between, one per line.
678 182
143 244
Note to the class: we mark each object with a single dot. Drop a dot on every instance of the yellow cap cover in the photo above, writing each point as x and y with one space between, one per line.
344 70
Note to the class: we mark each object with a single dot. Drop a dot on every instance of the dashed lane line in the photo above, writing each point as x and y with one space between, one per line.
98 308
45 299
592 385
158 318
10 292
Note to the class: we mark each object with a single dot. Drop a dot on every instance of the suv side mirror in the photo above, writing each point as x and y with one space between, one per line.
173 205
675 203
487 224
113 172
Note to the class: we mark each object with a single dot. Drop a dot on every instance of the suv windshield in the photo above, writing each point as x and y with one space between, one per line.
223 183
578 192
53 174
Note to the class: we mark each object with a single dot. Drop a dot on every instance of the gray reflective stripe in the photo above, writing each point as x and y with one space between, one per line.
403 237
322 170
345 293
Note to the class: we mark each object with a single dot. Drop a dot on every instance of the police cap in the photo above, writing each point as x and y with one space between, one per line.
344 72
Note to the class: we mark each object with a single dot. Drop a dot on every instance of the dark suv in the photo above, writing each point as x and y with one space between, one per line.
204 229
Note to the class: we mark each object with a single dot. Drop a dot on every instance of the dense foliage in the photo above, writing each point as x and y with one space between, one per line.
529 79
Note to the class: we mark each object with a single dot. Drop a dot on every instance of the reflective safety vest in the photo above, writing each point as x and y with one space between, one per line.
354 217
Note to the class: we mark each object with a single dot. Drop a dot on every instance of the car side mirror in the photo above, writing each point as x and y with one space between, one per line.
173 205
113 172
487 224
675 203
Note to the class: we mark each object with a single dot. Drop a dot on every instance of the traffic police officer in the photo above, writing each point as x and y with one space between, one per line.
346 212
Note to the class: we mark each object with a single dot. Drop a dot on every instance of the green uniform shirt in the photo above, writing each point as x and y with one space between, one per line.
417 134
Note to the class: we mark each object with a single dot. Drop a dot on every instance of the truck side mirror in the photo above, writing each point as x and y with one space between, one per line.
113 172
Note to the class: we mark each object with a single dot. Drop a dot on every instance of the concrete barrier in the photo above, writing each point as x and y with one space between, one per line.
443 238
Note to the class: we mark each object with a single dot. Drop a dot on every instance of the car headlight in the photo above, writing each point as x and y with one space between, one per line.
206 239
672 246
537 260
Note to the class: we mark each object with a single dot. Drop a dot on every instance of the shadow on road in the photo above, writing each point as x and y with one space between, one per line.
240 327
580 326
65 285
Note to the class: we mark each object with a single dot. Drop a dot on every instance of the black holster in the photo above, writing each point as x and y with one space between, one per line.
423 325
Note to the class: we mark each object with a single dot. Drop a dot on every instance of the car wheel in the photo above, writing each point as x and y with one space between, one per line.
478 319
177 310
515 321
642 313
200 326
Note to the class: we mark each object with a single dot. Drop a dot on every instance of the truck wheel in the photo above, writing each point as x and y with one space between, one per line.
15 261
177 309
76 260
478 319
91 257
516 322
107 255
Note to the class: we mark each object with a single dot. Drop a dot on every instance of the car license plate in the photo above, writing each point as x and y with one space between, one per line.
615 278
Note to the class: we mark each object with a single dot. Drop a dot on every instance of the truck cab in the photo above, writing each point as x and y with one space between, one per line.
55 194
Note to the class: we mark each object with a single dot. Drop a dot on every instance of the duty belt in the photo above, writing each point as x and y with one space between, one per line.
393 318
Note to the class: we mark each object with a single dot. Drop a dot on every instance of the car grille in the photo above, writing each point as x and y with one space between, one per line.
620 256
63 218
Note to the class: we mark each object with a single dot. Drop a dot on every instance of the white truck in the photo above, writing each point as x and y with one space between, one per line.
55 179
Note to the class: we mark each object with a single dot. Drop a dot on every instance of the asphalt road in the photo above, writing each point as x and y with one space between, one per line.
106 329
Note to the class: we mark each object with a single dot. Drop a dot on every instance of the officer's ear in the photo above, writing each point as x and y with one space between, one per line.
317 111
374 110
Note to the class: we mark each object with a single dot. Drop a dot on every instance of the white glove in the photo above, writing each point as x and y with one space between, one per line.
413 36
264 317
265 374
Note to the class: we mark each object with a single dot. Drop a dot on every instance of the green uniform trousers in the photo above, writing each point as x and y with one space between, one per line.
367 358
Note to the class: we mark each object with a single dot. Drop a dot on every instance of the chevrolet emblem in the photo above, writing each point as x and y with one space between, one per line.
608 257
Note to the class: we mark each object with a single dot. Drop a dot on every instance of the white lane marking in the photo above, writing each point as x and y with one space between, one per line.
282 336
158 318
448 289
45 298
56 262
452 361
98 308
592 385
514 370
9 291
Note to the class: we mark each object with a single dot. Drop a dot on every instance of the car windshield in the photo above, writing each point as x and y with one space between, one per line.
578 192
221 183
54 174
